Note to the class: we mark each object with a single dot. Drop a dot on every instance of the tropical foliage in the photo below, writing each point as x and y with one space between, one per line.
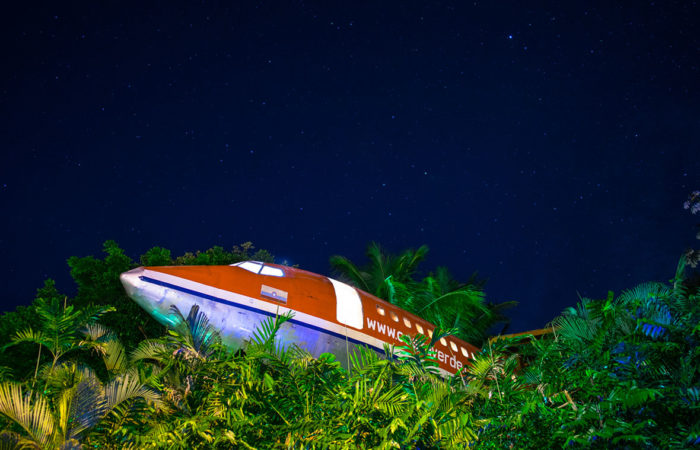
436 297
63 419
692 256
617 372
58 331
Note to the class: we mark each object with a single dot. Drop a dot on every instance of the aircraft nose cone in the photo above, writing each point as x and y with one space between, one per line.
131 280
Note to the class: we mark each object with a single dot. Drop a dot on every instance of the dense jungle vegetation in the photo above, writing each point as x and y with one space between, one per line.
95 371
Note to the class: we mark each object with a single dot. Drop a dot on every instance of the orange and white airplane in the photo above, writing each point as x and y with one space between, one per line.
329 316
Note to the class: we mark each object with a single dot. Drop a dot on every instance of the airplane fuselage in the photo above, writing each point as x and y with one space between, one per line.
329 316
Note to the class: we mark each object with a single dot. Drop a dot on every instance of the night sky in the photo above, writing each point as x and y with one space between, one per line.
548 147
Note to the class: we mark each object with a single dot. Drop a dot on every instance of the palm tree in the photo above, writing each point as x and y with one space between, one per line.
449 304
438 297
190 342
59 330
464 305
64 422
178 363
371 277
107 345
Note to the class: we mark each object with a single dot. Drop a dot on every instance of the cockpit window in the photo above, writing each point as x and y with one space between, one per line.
259 268
273 271
249 266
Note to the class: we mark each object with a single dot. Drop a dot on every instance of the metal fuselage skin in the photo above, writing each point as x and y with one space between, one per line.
329 316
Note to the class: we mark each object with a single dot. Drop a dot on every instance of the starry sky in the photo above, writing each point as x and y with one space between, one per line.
549 146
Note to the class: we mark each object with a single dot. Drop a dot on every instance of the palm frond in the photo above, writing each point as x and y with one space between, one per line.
383 265
363 359
61 377
498 308
95 332
115 357
375 395
407 263
576 328
679 277
391 401
643 292
200 333
102 340
5 372
456 432
465 296
483 367
355 276
127 387
378 262
9 440
30 336
265 333
90 313
151 349
444 280
82 407
418 351
32 415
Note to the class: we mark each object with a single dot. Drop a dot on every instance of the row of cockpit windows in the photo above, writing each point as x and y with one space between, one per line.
260 268
407 323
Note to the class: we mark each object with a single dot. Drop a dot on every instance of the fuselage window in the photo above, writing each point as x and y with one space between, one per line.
453 346
380 310
465 352
407 322
348 304
443 342
420 329
394 317
272 271
430 334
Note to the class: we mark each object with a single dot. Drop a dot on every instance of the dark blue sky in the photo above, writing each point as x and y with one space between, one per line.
550 148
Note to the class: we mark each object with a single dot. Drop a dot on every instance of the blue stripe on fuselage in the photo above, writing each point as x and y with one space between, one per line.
253 309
